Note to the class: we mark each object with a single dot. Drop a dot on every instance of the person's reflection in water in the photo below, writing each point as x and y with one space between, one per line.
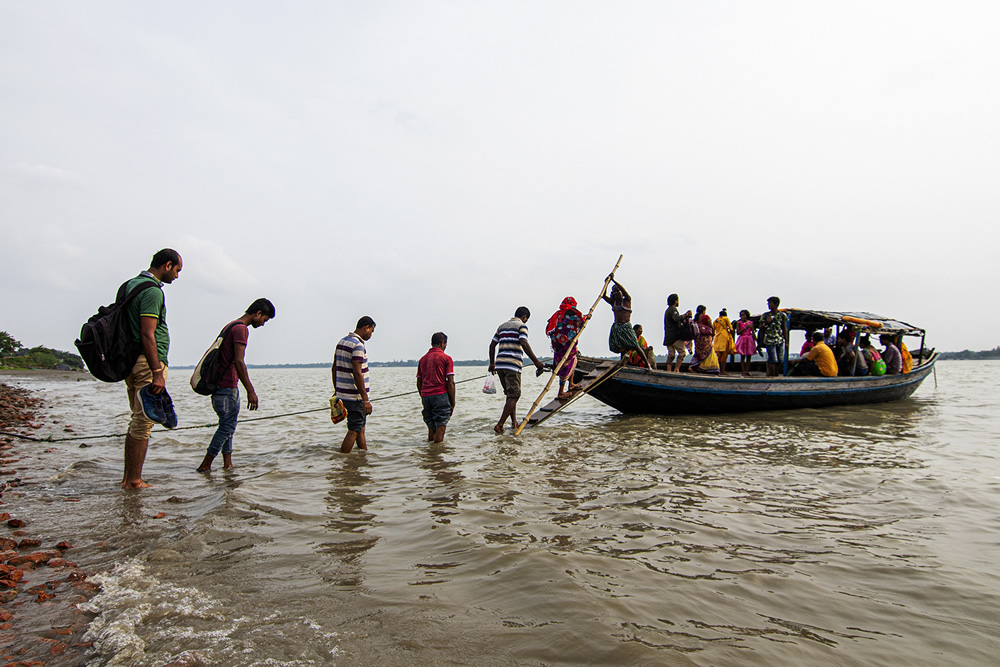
446 480
347 519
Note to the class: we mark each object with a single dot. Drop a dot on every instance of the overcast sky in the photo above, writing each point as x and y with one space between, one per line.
437 164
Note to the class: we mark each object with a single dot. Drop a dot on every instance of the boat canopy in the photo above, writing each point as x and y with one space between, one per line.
865 322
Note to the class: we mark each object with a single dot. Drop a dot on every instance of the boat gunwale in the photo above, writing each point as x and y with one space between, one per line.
666 381
774 392
924 367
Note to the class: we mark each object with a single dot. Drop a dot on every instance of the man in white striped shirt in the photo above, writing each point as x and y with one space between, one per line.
511 338
350 381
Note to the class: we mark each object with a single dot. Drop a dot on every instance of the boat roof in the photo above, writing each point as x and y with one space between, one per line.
800 318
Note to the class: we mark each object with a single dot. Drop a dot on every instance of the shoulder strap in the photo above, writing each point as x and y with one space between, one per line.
122 298
225 329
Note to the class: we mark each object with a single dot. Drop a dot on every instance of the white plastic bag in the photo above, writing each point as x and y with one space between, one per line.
489 387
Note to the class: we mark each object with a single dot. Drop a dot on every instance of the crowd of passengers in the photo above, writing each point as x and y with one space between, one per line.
713 343
824 354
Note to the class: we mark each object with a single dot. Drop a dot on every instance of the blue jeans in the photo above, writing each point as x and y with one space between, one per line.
227 405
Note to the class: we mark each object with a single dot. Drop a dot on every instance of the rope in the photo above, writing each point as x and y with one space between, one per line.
212 425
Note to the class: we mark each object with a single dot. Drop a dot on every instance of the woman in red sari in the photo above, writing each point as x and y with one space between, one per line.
562 328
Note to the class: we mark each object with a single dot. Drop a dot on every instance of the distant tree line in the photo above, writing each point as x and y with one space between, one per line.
970 355
14 355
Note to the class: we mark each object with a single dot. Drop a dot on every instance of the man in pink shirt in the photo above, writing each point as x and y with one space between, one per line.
436 384
226 399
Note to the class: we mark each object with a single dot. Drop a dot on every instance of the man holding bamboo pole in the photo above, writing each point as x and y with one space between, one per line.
623 339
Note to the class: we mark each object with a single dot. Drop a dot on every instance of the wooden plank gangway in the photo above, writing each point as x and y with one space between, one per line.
603 371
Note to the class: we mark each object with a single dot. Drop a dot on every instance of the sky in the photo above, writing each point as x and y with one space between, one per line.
435 165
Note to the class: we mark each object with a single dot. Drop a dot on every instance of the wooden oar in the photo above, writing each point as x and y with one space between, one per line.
572 346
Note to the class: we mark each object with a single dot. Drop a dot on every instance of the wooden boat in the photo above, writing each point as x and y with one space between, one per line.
636 390
643 391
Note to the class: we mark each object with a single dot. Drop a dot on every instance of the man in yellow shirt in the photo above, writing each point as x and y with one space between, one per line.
819 361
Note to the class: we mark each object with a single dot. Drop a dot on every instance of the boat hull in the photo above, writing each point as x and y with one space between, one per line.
640 391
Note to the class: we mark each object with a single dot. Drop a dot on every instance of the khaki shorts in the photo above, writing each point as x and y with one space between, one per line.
511 383
674 349
138 426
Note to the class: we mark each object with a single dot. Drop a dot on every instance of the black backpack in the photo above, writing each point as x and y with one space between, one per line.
105 341
207 374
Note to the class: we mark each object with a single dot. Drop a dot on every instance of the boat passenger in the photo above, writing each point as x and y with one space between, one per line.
846 356
724 343
704 360
672 319
562 329
905 353
646 348
622 337
872 357
891 355
746 341
819 361
774 335
806 346
829 338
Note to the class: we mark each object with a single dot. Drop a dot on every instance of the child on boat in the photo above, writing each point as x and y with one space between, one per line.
746 341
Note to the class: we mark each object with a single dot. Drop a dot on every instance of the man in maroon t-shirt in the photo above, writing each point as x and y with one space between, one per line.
436 384
226 400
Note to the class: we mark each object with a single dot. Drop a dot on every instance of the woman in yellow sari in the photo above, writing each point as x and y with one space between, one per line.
724 343
704 360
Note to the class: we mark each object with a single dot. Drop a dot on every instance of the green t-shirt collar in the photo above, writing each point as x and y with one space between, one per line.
150 275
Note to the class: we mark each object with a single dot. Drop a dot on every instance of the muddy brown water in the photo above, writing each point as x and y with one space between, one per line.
851 536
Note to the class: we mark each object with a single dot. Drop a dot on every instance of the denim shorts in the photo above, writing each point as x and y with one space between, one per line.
775 353
437 410
356 417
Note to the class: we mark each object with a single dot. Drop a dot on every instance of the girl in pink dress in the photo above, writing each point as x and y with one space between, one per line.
746 341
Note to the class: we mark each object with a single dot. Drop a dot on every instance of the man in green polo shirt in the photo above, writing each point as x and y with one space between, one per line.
147 314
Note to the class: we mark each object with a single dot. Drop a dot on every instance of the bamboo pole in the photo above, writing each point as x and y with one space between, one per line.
572 346
587 389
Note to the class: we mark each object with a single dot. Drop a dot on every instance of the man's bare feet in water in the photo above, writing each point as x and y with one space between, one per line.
206 464
137 485
499 429
227 461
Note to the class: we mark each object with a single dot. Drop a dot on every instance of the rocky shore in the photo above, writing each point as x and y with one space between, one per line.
43 594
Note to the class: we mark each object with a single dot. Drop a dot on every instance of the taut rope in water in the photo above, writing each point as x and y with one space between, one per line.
212 425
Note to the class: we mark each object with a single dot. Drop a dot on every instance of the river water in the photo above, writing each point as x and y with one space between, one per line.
850 536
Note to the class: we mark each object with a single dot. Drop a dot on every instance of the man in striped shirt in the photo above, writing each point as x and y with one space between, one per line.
350 381
505 361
